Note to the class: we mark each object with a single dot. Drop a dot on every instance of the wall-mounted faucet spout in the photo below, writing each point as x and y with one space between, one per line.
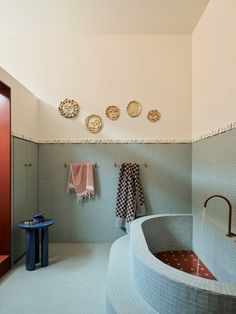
229 234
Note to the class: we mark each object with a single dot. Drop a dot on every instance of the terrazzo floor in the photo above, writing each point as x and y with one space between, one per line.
74 282
186 261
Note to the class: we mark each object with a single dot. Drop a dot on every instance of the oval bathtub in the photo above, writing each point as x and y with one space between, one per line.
166 289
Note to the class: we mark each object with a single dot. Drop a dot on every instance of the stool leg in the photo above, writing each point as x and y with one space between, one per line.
44 247
36 245
30 249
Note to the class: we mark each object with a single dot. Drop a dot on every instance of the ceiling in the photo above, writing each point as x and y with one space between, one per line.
71 17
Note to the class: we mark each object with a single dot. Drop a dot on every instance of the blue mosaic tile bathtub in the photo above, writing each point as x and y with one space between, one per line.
165 288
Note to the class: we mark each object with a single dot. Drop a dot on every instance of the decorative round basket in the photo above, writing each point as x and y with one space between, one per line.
112 112
69 108
134 108
94 123
153 115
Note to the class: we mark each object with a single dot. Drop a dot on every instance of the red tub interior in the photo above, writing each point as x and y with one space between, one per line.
186 261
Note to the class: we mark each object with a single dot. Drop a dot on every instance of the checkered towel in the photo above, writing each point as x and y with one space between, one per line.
130 200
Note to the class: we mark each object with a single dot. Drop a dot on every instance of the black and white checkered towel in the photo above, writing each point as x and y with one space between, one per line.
130 200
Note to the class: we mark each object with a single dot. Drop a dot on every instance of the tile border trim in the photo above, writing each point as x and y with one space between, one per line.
115 141
207 135
24 137
227 128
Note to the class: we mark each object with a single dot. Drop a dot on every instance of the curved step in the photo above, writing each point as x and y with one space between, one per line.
122 296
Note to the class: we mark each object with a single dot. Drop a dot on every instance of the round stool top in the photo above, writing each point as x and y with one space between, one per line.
38 225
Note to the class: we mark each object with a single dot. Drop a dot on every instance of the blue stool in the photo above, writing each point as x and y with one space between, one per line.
32 243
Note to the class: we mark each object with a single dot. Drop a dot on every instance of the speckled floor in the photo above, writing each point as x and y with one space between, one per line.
74 282
186 261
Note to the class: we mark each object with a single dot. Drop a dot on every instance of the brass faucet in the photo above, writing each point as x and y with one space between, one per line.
229 234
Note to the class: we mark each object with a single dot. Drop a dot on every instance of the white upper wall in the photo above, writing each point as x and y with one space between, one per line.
101 70
214 68
73 17
98 71
24 108
102 52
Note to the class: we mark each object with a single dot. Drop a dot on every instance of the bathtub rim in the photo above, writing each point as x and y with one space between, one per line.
144 255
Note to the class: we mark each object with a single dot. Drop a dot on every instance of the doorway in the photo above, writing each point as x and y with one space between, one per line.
5 178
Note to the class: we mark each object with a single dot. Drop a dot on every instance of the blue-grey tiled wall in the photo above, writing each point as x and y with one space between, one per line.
214 172
166 184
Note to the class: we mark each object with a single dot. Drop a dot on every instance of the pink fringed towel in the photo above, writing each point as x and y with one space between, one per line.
81 181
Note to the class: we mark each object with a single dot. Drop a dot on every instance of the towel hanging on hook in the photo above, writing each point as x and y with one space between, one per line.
81 181
130 199
118 164
68 164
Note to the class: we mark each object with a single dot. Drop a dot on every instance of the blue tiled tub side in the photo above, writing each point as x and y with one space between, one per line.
165 288
215 249
121 294
168 233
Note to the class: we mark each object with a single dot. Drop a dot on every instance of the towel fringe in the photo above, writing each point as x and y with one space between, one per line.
81 181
